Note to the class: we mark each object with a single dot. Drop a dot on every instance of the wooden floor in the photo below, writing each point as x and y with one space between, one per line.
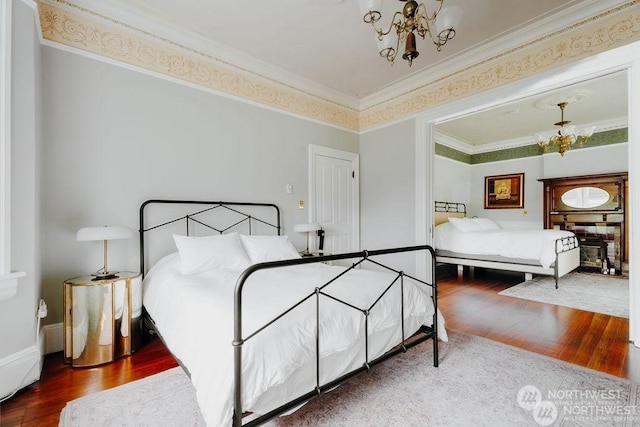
473 306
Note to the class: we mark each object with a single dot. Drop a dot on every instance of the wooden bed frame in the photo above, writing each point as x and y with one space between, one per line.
238 219
567 251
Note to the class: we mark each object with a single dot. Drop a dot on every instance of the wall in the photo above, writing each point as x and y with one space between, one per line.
612 158
115 137
452 175
387 190
19 352
452 181
532 168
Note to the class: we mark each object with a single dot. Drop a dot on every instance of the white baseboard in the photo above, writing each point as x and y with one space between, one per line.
53 338
20 369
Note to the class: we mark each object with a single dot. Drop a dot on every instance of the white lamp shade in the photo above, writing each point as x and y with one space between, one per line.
448 18
587 131
367 6
305 228
567 130
387 46
105 232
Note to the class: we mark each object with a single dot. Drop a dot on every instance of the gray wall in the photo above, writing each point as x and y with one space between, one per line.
387 189
116 137
18 314
451 178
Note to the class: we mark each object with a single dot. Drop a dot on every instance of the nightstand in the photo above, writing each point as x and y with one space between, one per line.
317 254
102 318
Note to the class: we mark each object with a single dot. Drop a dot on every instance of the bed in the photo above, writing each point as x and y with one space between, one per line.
261 330
479 242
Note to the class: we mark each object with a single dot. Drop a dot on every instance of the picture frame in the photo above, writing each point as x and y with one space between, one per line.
504 191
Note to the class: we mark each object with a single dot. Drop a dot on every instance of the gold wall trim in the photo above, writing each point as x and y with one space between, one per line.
92 35
608 30
86 30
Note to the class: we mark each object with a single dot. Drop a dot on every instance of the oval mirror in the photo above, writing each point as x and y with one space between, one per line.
585 197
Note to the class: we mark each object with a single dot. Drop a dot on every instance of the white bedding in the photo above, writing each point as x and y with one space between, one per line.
194 314
537 245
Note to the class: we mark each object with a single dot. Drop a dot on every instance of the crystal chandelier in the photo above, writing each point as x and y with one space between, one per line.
413 19
566 136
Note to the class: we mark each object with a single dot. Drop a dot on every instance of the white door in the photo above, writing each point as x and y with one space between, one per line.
334 198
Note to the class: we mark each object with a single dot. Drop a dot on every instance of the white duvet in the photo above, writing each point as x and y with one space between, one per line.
194 314
537 245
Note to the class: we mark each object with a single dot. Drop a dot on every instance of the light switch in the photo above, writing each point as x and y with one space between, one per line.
301 204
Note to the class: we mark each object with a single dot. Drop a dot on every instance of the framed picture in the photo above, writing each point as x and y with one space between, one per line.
504 191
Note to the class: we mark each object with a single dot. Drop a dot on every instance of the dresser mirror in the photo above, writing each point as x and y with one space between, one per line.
585 197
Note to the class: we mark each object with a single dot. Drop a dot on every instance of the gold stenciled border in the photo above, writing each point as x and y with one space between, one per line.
606 31
85 33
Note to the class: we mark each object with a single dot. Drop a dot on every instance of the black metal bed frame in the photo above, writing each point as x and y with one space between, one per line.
562 244
363 256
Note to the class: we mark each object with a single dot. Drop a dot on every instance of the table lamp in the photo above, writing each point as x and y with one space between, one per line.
104 233
306 228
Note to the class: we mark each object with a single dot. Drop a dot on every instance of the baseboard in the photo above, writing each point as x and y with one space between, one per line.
53 338
20 369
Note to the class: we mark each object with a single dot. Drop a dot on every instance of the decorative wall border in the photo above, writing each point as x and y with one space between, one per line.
614 28
106 39
616 136
92 33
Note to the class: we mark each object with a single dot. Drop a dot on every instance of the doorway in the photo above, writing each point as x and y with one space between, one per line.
625 58
334 198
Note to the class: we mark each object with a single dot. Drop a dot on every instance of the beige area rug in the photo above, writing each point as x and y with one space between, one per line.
599 293
479 382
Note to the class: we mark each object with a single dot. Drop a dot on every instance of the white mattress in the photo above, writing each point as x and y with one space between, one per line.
539 245
194 314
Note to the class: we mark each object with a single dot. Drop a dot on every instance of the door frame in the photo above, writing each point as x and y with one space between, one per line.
626 58
354 158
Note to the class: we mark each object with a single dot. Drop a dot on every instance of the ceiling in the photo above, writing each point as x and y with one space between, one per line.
601 101
324 41
323 46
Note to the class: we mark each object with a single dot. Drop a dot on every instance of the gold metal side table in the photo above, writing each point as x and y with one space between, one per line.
102 318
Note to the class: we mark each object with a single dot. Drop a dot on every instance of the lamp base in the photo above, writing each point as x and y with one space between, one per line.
104 276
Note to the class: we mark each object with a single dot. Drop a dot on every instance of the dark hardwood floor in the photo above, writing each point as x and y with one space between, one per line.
40 404
472 306
593 340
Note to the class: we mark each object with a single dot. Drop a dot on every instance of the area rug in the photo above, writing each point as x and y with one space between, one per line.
599 293
479 382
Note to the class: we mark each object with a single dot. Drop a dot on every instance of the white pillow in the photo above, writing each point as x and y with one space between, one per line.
268 248
464 224
221 252
486 223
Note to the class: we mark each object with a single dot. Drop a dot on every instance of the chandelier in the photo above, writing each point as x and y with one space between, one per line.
414 19
566 136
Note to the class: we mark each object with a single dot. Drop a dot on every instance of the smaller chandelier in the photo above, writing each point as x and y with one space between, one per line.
414 19
566 136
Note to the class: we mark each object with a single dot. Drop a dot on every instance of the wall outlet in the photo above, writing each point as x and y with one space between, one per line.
301 204
288 188
525 213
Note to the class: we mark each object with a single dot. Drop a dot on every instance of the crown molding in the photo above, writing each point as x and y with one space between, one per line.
606 31
498 46
450 141
84 31
164 32
587 28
